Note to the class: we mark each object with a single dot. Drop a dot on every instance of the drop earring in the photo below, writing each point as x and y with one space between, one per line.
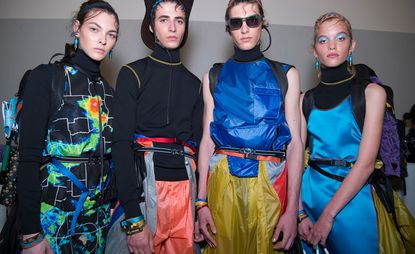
76 42
317 64
350 59
110 54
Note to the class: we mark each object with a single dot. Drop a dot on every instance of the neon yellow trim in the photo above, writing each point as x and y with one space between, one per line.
338 82
135 74
163 62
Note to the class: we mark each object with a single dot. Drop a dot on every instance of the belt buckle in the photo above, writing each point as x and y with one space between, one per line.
340 163
177 152
248 153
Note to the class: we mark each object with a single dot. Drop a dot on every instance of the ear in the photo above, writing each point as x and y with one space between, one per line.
352 46
265 23
150 28
314 53
75 27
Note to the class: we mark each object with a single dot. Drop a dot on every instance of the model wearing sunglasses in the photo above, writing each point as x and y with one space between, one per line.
251 21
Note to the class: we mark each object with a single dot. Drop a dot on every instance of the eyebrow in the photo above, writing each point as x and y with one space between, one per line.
110 31
167 16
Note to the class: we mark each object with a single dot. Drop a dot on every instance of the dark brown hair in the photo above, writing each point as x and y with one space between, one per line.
91 6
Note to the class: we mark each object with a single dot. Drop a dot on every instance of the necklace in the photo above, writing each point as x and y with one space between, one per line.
338 82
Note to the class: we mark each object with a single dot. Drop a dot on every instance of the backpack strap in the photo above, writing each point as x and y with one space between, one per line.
57 87
214 76
280 75
308 103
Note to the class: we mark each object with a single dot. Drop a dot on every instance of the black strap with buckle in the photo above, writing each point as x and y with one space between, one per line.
314 165
251 153
165 150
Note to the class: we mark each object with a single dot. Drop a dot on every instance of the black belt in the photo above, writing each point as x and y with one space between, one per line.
165 150
80 159
314 165
254 152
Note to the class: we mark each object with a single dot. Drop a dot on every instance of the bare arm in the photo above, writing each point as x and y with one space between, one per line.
364 166
206 149
288 221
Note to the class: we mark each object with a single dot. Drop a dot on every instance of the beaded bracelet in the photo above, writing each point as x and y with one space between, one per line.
302 217
133 225
300 212
32 241
200 207
200 202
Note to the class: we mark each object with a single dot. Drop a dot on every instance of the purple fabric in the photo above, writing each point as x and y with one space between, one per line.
390 146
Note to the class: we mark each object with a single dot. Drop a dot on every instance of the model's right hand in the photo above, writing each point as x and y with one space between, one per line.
41 248
205 219
141 243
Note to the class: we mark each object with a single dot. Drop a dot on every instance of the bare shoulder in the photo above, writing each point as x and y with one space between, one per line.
375 90
293 73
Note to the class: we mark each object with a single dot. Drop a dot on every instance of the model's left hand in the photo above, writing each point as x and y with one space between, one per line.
321 230
287 228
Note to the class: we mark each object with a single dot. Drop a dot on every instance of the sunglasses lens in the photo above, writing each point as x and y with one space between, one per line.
253 21
235 23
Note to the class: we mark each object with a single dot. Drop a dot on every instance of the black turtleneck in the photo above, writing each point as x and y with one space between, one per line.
90 66
247 55
33 128
165 102
329 95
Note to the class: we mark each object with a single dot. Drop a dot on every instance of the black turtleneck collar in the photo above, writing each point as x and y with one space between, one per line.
247 55
335 74
86 63
166 55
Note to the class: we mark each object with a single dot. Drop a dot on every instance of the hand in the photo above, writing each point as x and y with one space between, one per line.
141 243
287 229
321 230
205 219
198 235
304 228
41 248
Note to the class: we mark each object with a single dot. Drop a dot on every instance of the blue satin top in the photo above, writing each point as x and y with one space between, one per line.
248 112
344 141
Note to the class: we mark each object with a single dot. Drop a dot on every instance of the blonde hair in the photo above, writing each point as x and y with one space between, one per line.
328 17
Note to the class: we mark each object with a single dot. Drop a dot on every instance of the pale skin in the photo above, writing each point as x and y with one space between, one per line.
375 104
246 38
169 28
97 36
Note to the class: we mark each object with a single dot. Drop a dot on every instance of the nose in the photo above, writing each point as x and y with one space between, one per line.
172 26
332 45
244 28
103 39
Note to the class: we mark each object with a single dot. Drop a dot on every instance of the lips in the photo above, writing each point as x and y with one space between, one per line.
102 51
332 55
246 39
172 38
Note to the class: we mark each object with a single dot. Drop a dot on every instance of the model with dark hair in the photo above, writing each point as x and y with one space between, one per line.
158 123
64 185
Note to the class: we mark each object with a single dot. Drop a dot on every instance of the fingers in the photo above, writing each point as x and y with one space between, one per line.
276 236
205 219
151 243
198 234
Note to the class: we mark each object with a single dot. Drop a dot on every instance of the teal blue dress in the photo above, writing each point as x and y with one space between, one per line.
334 134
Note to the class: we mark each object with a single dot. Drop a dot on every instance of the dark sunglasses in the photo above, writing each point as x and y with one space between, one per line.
251 21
